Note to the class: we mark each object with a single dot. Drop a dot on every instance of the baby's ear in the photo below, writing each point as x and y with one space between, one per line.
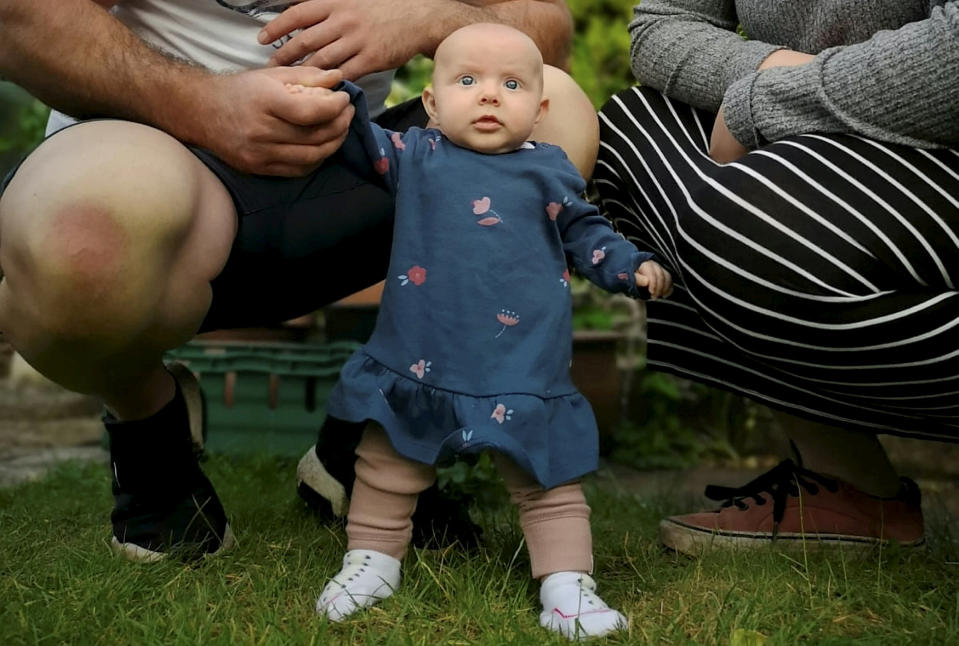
543 109
429 102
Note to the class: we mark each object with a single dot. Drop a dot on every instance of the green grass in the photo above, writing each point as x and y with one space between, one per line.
60 584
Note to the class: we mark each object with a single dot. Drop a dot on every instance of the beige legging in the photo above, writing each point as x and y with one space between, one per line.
555 521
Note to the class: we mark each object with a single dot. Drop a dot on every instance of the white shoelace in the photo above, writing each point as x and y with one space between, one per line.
366 578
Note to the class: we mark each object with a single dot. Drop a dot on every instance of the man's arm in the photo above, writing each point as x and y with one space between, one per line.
76 57
364 36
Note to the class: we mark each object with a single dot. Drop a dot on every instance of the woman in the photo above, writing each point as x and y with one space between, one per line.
803 185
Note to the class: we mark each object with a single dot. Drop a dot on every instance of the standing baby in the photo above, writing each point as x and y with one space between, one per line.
472 344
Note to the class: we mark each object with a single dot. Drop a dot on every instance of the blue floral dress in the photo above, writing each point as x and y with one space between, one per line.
472 344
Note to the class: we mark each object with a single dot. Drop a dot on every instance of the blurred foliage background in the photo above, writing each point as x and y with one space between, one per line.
665 422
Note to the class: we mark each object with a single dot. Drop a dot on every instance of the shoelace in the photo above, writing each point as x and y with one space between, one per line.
352 567
587 592
779 483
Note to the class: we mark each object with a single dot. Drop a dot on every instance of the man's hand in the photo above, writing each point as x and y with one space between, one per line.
653 277
253 122
356 36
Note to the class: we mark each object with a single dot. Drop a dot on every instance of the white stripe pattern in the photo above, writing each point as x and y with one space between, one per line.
847 315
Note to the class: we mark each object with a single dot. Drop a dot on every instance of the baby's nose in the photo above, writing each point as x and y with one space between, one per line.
490 94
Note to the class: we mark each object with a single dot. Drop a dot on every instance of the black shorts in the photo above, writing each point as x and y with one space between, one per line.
301 242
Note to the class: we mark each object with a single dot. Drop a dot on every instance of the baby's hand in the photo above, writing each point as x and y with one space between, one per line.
653 277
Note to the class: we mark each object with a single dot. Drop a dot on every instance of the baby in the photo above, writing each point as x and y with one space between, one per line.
472 345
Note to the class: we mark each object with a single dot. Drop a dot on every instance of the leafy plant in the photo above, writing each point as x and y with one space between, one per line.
22 123
600 59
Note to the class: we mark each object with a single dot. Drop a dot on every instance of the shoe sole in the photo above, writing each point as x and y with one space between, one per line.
140 554
311 473
694 541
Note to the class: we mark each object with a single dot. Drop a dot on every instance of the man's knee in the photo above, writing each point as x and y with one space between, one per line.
571 121
92 218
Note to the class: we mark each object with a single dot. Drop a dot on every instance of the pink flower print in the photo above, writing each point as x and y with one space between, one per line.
553 208
397 140
500 413
415 275
508 319
382 164
432 142
622 276
598 255
420 368
482 206
565 278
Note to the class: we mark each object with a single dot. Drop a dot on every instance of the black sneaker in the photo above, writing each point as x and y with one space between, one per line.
325 477
163 503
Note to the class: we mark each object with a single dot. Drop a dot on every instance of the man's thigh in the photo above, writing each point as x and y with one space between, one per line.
303 242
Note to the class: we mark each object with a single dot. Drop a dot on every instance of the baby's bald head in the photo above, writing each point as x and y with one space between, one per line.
490 40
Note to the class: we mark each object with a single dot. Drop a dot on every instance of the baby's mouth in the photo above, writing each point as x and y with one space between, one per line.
487 122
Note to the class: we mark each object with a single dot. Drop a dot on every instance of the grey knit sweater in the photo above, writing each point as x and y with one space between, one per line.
884 69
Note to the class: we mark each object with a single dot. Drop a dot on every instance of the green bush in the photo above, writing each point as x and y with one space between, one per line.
600 60
22 122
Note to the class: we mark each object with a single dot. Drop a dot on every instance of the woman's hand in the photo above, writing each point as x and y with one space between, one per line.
723 146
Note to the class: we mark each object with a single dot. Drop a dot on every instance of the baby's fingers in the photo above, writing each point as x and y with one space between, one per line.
668 286
655 283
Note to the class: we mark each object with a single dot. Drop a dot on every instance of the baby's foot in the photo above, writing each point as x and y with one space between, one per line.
367 577
571 607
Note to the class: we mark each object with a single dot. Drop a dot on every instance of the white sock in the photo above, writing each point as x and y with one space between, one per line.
571 607
367 577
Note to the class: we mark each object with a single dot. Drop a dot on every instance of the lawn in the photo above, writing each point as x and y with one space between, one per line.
60 584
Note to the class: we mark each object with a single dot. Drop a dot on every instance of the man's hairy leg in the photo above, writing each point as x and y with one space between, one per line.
110 233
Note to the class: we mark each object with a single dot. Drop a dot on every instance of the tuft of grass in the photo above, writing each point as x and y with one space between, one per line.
60 584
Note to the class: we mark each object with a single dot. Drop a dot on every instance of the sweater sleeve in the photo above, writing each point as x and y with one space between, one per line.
689 49
900 86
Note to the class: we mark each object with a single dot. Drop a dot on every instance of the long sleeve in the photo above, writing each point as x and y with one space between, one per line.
370 150
598 253
689 49
900 86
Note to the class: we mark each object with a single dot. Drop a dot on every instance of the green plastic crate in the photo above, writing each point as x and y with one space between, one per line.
263 397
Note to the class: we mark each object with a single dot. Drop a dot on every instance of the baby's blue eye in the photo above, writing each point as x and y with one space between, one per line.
466 80
511 85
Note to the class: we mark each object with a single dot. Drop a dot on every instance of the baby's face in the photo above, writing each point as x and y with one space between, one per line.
487 91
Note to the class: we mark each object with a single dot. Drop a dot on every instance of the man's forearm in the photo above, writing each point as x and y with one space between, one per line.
547 22
77 58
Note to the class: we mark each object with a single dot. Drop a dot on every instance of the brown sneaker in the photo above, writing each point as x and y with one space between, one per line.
797 507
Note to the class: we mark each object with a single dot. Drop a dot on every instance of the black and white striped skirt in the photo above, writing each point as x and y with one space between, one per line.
817 274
